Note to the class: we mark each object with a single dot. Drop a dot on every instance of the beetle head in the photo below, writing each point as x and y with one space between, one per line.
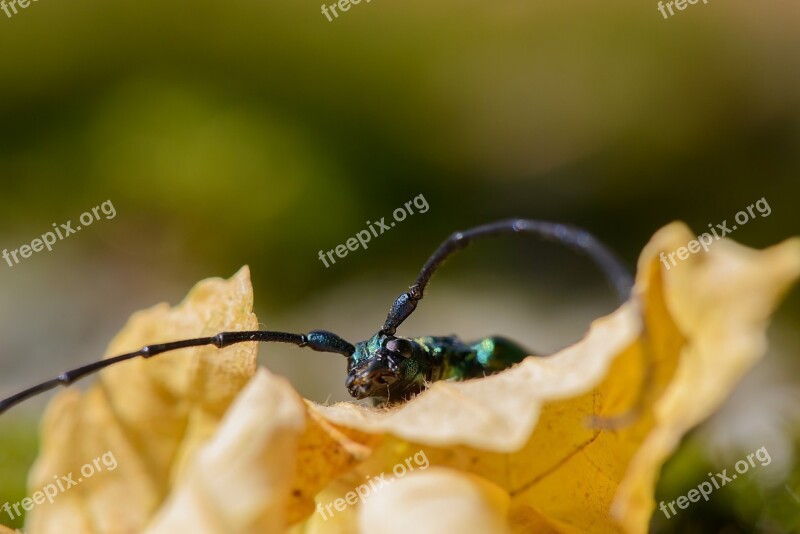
386 367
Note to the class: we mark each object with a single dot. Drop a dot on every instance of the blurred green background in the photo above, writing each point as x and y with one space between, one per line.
259 133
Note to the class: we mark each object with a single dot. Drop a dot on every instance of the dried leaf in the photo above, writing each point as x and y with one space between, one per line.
178 462
511 450
239 480
525 429
442 500
151 414
721 302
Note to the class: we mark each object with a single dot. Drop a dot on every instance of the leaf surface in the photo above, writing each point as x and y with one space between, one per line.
200 448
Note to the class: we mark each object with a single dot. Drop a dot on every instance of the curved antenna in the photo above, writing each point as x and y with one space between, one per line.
571 236
319 340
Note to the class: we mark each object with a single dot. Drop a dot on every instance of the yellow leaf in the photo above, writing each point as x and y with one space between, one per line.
526 429
512 451
177 461
238 481
150 414
721 302
442 500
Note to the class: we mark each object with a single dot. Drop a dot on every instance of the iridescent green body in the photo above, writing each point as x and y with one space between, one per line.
394 368
454 359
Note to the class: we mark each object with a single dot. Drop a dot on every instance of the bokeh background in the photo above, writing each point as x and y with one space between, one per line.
259 133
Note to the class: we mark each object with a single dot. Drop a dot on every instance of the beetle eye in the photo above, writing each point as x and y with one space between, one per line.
400 346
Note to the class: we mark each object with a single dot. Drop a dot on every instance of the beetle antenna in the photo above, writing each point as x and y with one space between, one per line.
571 236
319 340
576 238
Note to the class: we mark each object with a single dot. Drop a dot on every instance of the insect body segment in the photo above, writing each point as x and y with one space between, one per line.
456 360
394 369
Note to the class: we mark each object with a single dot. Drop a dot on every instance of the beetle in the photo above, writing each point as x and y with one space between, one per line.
388 368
